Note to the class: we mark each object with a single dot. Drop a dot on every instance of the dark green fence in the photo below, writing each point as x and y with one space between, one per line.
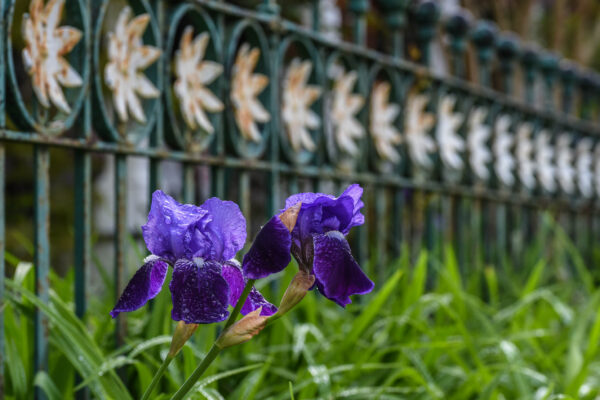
272 108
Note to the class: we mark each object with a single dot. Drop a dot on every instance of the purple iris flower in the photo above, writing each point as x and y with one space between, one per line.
200 243
319 242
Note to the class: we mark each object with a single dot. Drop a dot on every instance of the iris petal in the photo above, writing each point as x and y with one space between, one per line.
145 285
170 225
338 274
226 230
200 294
270 252
234 277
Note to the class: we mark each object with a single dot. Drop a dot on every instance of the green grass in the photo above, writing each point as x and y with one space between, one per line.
428 331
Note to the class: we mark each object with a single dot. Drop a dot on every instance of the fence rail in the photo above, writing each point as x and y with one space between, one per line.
255 97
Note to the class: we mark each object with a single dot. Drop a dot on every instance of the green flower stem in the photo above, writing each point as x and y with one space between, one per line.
157 376
214 350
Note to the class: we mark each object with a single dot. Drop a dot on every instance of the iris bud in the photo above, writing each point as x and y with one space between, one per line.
181 335
295 292
243 330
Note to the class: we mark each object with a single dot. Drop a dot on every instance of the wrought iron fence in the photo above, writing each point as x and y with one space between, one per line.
272 107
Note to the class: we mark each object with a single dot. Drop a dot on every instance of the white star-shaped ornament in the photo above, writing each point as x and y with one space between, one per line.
565 170
544 158
418 124
245 88
296 113
583 165
450 143
193 75
597 169
46 44
128 57
479 134
503 142
383 114
524 153
344 107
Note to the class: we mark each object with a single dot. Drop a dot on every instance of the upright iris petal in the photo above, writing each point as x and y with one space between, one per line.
320 246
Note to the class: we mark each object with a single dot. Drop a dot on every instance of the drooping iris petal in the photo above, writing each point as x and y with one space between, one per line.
225 234
200 294
170 225
145 285
256 300
338 275
270 252
234 277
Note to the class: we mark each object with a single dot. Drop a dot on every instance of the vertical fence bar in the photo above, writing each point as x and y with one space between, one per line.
189 183
568 77
549 70
2 187
395 12
156 136
508 51
457 27
218 171
42 255
484 38
427 14
120 240
360 8
529 65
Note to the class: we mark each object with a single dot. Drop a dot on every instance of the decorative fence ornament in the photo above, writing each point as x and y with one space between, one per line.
418 124
296 113
477 138
565 170
524 153
451 144
583 165
194 74
544 155
245 88
344 107
43 55
503 143
597 168
128 57
383 114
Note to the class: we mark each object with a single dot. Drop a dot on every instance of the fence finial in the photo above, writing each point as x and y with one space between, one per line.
484 39
568 77
427 14
457 27
549 69
395 16
507 49
360 8
529 62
